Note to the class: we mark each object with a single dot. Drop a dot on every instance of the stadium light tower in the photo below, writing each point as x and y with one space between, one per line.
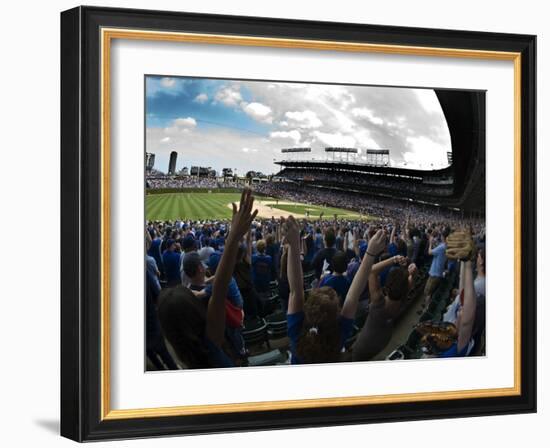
340 151
378 157
294 151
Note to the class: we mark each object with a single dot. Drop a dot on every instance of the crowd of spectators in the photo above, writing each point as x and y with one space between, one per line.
382 207
182 182
206 279
365 181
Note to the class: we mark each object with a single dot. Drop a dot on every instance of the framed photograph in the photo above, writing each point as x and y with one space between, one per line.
274 223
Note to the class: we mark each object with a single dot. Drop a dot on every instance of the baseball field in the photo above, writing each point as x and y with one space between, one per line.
199 206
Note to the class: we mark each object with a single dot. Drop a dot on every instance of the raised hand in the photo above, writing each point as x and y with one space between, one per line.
377 243
243 216
400 260
292 230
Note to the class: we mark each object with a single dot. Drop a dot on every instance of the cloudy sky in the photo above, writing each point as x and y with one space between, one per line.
245 124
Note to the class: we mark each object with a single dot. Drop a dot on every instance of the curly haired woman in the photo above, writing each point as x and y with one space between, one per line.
318 327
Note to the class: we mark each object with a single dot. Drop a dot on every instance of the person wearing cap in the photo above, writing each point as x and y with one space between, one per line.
336 279
171 262
233 295
205 253
195 271
261 268
233 292
188 245
243 276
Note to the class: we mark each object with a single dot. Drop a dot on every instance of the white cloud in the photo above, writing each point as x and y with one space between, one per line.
215 147
317 115
364 113
165 140
292 137
181 125
426 152
168 83
259 112
336 139
428 100
306 119
188 122
365 140
201 98
229 95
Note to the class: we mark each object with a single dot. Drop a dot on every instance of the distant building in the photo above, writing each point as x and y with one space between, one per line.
172 163
149 161
450 158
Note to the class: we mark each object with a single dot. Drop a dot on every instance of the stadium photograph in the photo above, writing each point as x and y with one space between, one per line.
306 223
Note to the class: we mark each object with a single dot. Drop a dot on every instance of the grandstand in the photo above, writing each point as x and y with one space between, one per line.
460 186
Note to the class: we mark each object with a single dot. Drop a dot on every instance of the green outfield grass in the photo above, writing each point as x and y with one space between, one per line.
315 210
189 205
193 205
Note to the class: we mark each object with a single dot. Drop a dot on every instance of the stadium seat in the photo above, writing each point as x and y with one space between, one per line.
426 316
270 358
276 325
270 302
413 339
255 332
350 341
308 279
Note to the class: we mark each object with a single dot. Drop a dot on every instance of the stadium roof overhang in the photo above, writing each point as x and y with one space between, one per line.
361 168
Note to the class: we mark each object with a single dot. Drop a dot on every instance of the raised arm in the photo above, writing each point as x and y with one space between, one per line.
215 314
468 314
376 246
406 229
356 242
248 255
393 229
395 260
294 267
461 247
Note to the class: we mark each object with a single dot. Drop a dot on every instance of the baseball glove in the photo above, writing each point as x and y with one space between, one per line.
460 246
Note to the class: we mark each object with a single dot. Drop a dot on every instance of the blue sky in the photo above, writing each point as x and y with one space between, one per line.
245 124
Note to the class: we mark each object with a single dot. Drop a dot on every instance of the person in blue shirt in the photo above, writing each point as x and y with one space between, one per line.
233 292
458 340
309 250
273 249
318 240
397 246
262 265
195 329
323 258
337 280
171 262
438 264
318 328
154 250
